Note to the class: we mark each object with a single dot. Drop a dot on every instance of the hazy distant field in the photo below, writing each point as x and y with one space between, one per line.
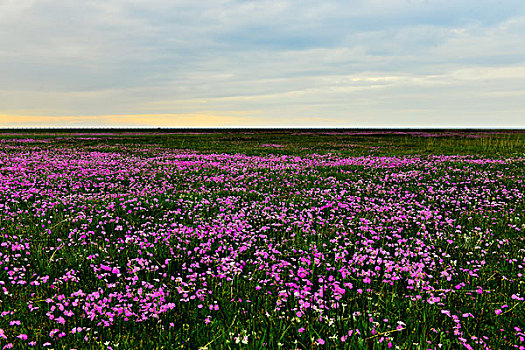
281 239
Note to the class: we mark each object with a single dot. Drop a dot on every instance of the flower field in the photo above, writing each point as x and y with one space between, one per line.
114 244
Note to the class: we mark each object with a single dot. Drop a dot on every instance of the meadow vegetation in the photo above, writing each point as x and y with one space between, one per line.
279 239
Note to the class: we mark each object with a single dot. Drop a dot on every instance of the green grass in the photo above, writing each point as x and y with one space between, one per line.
60 203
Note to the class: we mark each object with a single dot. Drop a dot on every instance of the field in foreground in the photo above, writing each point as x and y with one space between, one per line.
285 241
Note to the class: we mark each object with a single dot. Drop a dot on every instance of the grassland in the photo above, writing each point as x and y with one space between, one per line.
292 239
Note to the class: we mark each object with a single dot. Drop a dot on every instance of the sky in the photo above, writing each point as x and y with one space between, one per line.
262 63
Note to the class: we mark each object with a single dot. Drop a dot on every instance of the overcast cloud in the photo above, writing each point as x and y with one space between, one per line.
381 63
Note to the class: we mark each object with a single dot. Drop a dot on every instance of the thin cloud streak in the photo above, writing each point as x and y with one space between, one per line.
203 119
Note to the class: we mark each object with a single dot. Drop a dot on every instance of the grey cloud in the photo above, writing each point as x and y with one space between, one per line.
303 58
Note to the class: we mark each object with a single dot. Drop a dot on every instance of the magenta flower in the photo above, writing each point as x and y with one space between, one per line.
195 209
